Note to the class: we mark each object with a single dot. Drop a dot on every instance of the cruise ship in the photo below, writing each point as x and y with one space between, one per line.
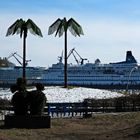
9 72
125 74
120 75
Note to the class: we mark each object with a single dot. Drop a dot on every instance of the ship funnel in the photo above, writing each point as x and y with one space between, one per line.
130 58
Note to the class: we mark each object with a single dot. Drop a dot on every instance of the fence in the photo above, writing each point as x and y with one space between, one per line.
65 109
89 106
121 104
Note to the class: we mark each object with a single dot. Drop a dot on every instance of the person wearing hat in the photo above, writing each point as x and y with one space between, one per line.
19 99
37 100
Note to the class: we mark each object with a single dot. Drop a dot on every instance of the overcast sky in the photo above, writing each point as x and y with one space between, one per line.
111 27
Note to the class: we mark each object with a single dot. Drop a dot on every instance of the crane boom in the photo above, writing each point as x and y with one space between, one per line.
81 61
15 54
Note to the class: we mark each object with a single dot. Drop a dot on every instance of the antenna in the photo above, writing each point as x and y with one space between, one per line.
60 58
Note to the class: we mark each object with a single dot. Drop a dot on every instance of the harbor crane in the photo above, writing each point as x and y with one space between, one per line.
16 55
74 52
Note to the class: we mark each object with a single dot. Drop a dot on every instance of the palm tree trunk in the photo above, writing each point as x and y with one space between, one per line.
24 56
65 65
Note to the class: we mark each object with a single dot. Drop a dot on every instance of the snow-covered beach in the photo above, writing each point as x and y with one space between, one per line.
75 94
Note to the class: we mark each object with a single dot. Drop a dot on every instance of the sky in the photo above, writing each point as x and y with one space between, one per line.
111 27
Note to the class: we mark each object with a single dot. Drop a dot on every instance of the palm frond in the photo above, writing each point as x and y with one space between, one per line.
33 28
61 26
54 26
75 28
14 28
60 30
19 28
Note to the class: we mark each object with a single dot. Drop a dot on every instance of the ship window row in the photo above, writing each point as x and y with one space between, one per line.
91 80
93 76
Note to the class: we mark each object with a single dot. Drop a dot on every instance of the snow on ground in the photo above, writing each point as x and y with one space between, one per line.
77 94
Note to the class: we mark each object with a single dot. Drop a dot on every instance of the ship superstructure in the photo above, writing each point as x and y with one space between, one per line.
96 74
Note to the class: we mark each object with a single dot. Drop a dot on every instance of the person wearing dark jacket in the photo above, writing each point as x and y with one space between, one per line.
37 100
19 99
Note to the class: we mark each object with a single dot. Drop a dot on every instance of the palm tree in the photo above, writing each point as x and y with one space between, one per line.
61 26
21 27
